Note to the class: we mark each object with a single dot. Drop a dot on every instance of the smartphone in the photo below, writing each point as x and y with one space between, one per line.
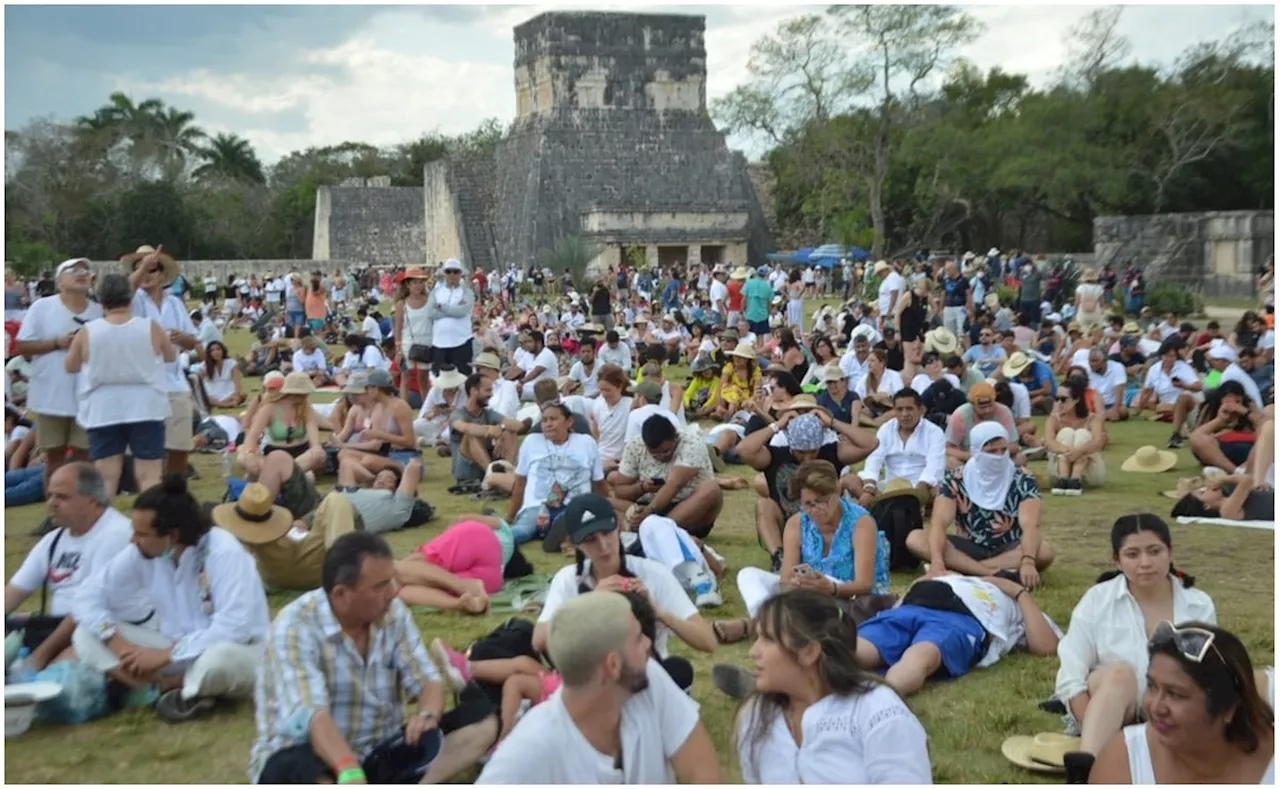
803 570
658 481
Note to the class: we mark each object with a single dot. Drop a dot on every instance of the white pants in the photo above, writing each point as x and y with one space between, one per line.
431 430
756 586
221 671
953 319
666 543
1095 473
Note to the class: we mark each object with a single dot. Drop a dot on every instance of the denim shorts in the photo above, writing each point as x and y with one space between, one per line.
144 439
958 637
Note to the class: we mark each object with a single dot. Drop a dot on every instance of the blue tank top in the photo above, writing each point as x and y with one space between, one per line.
839 562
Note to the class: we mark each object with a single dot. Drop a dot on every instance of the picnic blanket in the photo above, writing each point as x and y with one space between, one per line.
1271 525
514 595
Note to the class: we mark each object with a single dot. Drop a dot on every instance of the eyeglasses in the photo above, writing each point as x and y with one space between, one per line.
818 504
1193 643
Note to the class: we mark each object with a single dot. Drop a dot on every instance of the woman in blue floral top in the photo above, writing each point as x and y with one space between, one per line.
831 546
996 509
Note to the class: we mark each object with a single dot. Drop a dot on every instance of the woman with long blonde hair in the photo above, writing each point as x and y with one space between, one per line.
289 423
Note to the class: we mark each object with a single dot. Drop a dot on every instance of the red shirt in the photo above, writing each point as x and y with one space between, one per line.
735 295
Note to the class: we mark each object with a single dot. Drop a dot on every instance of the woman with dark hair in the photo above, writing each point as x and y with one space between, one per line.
739 380
1248 329
877 389
362 356
824 357
1103 658
1075 436
551 468
1231 497
209 611
388 428
1207 720
791 354
1228 428
220 376
807 680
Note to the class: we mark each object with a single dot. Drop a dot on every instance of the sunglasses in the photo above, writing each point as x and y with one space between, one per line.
1062 399
156 269
1193 643
982 402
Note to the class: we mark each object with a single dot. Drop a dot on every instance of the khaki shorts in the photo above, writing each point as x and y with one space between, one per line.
178 426
53 432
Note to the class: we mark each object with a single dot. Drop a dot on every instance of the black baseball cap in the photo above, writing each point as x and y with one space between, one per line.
586 515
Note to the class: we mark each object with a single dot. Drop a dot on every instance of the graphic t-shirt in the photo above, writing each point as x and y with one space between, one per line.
74 559
555 473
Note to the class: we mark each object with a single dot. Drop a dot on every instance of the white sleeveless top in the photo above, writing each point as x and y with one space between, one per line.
220 385
1141 771
416 328
124 379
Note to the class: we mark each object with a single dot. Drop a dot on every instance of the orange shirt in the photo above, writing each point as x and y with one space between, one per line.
735 296
316 306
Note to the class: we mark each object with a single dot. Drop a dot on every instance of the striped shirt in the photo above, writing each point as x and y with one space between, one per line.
311 666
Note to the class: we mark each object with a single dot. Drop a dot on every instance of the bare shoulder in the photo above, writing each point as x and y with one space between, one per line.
1112 763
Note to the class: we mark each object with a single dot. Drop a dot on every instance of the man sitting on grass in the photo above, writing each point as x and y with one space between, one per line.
479 434
667 472
341 661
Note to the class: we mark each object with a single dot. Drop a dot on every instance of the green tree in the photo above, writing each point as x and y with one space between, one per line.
572 254
229 157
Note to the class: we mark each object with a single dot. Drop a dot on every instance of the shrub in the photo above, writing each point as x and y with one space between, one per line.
1178 299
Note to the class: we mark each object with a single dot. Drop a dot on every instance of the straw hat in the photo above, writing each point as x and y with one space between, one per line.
741 272
416 272
488 360
356 384
1185 485
900 487
1016 364
746 350
834 373
803 402
1090 276
1042 753
941 341
1150 460
450 379
167 263
254 518
882 266
298 383
1131 327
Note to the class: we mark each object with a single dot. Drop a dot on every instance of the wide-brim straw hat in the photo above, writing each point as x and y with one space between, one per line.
1185 485
746 350
1016 364
941 341
901 487
1042 753
1150 460
488 360
166 261
254 518
803 402
298 383
741 272
450 379
882 265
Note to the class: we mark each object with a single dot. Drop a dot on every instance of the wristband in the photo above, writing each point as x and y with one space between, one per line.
346 763
1026 557
351 776
1020 593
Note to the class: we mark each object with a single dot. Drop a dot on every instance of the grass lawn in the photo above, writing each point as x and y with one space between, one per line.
967 720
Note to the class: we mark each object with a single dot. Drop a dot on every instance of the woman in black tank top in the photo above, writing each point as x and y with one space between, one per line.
915 313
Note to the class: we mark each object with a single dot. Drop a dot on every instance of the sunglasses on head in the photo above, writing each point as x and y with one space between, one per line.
1193 643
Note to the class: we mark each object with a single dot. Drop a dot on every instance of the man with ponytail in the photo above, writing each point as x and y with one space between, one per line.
202 639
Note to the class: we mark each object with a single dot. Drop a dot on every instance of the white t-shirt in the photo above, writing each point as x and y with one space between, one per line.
611 422
891 283
547 747
1235 372
545 359
638 416
367 359
890 384
575 464
1021 400
52 390
922 382
997 613
590 385
719 295
867 738
505 399
1106 383
315 360
370 328
661 583
74 559
1162 383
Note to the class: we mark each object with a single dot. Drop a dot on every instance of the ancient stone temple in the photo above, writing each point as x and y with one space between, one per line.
612 143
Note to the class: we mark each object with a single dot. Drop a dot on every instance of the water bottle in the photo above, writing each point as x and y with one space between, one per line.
226 460
19 671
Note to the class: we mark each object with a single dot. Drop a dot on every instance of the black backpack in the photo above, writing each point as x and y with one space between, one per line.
897 517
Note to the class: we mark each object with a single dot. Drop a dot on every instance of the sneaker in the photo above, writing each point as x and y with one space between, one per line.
171 707
1075 487
1059 486
452 664
734 682
1036 453
699 583
1175 441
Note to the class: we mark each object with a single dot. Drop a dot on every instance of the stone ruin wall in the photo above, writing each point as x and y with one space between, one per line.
370 221
1217 253
197 269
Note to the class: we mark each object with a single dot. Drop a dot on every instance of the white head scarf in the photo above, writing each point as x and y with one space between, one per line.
987 477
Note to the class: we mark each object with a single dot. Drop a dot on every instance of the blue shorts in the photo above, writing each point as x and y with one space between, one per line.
759 328
144 439
957 636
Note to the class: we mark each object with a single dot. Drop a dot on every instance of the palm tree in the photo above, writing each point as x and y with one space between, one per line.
229 156
176 141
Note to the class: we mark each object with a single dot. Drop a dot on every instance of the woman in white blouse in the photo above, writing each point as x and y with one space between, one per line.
221 377
815 717
877 389
1102 672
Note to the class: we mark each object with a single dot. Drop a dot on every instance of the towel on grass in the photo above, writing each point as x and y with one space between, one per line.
514 595
1271 525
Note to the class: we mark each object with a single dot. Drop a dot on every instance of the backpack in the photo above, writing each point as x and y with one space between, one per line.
897 517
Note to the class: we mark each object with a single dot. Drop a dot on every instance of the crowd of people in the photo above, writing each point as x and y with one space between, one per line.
891 432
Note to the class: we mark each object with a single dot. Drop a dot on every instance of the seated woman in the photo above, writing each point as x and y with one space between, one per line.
458 569
432 423
1262 465
1103 659
220 376
1227 430
309 358
387 439
996 508
1231 497
877 389
739 381
1207 720
290 425
362 356
1075 436
1092 397
824 359
807 679
551 469
831 546
702 395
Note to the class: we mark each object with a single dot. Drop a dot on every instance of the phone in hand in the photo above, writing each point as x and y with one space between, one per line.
659 481
803 571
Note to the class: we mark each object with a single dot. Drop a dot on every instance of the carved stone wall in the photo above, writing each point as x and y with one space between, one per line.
377 224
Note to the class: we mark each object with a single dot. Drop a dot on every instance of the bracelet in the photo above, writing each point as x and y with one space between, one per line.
1025 557
351 776
1020 593
835 589
345 763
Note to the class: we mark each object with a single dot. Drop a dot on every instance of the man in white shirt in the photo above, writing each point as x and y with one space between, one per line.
45 334
1109 379
542 364
720 292
206 329
646 400
1223 358
617 719
854 363
210 608
369 325
908 447
614 351
506 394
150 273
584 375
89 534
1171 385
891 289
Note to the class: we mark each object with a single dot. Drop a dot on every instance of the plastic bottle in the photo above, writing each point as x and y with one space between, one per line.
18 671
226 460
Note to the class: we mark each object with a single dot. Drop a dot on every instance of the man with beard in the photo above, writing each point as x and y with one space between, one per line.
479 434
618 719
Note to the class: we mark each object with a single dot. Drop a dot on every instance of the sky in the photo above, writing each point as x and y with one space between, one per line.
290 77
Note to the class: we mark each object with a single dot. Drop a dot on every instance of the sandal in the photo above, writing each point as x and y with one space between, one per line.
731 631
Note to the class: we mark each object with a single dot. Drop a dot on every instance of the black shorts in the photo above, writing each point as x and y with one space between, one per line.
975 551
458 356
299 764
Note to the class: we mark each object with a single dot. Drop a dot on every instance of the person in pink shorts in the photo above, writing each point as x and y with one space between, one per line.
459 568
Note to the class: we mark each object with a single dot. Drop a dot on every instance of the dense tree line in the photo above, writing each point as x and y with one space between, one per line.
879 137
131 173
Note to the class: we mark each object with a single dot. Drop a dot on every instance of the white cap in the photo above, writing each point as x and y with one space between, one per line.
69 263
1223 352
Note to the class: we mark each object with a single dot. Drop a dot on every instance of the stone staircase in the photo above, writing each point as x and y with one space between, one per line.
471 181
